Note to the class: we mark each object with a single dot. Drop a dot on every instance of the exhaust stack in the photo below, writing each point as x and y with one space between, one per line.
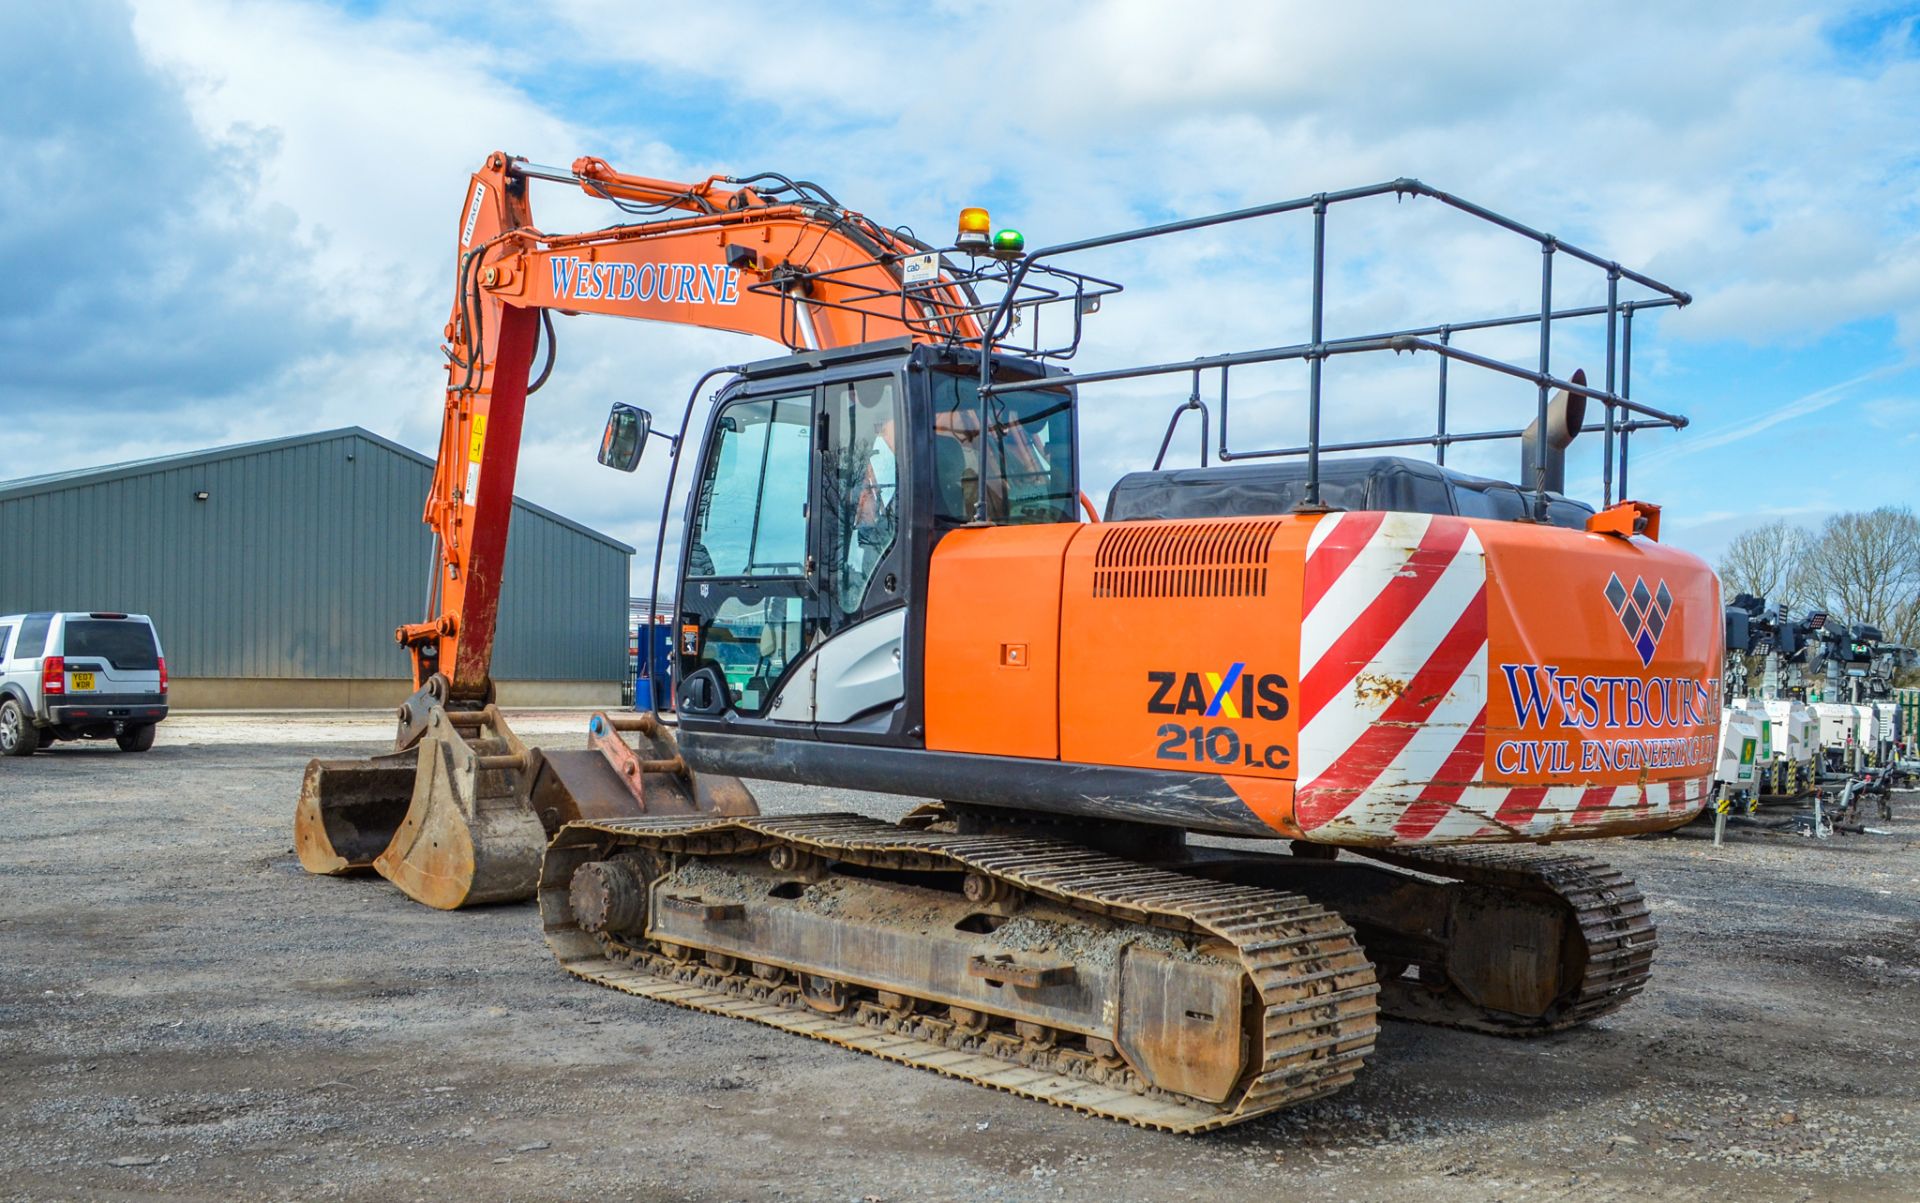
1566 412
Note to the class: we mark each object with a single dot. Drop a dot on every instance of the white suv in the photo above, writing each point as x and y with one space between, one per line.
79 676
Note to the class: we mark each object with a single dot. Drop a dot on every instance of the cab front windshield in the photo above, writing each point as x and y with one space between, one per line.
1029 452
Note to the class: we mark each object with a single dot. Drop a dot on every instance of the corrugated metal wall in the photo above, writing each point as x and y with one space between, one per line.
300 563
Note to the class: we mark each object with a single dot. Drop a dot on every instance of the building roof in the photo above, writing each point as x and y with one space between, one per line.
53 482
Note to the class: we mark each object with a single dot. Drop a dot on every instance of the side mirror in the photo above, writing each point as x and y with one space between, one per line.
625 437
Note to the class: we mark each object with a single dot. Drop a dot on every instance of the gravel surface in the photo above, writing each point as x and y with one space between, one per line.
185 1014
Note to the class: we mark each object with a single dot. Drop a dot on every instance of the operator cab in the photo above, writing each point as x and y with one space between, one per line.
825 480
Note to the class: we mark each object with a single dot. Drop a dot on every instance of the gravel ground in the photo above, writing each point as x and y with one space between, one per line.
185 1014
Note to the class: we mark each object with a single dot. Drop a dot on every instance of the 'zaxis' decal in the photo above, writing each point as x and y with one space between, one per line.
1235 693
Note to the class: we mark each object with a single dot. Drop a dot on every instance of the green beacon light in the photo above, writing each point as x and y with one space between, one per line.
1009 244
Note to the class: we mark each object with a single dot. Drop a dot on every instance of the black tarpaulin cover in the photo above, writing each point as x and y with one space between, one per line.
1381 482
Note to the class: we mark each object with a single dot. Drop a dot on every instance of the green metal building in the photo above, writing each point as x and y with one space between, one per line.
276 572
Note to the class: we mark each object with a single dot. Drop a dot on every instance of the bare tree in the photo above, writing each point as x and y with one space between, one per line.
1769 562
1865 567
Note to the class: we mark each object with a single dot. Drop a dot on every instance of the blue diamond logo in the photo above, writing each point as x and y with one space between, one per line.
1646 645
1643 613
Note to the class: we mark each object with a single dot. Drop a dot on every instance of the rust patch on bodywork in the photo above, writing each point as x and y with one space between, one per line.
1372 689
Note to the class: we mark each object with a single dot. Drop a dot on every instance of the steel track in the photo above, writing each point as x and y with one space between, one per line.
1617 938
1310 1022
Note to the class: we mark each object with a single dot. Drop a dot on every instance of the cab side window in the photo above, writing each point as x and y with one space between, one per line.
6 635
861 486
751 520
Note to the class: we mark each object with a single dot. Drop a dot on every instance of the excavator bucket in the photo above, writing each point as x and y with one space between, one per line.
461 814
608 779
349 810
468 837
484 804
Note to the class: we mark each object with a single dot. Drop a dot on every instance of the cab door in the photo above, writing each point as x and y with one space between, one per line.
859 671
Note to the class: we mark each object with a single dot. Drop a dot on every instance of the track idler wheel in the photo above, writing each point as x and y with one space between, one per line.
607 896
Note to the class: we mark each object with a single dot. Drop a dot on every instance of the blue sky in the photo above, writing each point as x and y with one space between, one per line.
229 221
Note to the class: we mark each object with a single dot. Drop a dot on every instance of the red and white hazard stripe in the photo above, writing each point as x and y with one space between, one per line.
1393 694
1393 645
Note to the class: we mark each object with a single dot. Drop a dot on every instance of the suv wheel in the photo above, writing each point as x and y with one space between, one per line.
135 739
18 735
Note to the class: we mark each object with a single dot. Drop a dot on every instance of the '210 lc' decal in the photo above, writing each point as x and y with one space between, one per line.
1234 694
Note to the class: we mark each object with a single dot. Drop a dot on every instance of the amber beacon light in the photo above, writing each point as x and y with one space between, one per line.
974 227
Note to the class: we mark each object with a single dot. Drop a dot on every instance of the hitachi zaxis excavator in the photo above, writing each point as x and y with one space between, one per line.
1399 675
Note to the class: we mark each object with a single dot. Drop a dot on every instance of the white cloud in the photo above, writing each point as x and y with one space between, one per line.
375 122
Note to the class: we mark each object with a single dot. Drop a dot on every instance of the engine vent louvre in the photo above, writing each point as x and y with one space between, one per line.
1211 559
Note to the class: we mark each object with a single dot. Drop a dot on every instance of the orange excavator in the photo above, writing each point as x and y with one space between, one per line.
1406 676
